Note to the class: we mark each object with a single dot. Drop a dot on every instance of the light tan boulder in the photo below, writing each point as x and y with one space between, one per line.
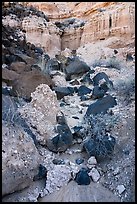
20 159
41 112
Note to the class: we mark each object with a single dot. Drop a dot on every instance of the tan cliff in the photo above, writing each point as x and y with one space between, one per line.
101 21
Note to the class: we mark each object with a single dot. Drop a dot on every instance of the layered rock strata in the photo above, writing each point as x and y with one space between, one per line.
101 20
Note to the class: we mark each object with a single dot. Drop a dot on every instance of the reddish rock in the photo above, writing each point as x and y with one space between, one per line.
28 81
19 67
26 59
9 76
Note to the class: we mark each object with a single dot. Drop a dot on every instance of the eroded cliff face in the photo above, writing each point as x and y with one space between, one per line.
102 20
115 20
74 24
44 34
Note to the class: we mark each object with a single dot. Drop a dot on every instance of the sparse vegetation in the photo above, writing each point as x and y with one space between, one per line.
111 62
126 90
97 130
100 124
9 110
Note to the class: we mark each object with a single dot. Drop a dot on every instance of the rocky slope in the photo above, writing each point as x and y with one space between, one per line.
68 102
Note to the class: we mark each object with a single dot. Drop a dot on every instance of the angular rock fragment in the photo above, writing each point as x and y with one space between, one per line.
94 174
20 159
79 161
75 68
101 105
28 81
62 141
82 177
41 112
41 174
121 188
101 76
97 92
63 91
83 90
92 160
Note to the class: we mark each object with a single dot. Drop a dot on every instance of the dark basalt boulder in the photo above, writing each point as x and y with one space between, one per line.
8 59
86 78
78 132
97 92
129 57
62 141
100 147
83 90
58 24
101 105
58 161
82 177
90 147
46 57
84 98
76 67
101 76
104 86
79 161
63 91
7 91
6 42
41 174
38 50
51 65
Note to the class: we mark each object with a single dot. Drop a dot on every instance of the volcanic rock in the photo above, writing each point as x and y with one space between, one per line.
101 105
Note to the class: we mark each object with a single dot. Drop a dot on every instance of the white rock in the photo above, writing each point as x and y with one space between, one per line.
15 151
79 140
94 174
90 166
67 162
121 188
66 52
76 150
92 160
116 171
60 80
57 177
74 141
70 152
4 66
